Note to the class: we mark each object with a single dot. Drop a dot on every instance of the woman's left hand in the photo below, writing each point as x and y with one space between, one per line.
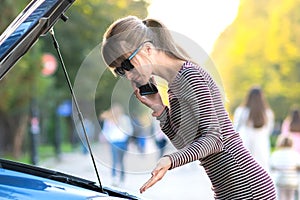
158 173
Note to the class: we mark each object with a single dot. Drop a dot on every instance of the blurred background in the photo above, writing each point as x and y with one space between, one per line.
251 42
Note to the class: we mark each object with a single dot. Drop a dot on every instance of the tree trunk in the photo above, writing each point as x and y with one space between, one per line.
20 132
6 134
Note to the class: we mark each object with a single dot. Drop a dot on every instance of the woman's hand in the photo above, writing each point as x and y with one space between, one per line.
158 173
153 101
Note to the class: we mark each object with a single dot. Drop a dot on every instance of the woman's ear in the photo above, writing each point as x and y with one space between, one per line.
148 48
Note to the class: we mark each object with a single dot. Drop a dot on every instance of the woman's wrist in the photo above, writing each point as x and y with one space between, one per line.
169 161
158 110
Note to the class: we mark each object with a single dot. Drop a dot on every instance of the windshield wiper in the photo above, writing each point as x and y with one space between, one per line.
76 182
91 185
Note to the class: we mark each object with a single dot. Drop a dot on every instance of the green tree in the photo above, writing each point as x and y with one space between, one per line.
262 47
17 89
77 37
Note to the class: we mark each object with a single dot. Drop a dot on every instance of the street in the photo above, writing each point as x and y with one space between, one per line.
186 182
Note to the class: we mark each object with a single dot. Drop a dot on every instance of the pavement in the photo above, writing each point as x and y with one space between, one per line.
186 182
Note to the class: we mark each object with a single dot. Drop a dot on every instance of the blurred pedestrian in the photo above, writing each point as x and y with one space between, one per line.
285 162
196 122
117 129
89 130
139 135
159 137
291 127
254 120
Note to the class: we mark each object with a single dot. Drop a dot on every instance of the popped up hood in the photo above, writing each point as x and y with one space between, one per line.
36 19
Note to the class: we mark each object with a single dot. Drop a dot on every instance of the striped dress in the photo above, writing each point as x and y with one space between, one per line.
198 126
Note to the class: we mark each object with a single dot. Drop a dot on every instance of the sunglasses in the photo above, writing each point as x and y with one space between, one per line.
126 64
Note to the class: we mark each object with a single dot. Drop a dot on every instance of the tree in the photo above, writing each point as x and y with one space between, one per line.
77 37
87 23
262 47
14 104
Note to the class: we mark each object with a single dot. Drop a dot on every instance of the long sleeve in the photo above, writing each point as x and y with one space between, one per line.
193 121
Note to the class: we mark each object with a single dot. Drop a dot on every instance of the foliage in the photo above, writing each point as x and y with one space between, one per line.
17 91
261 47
44 151
83 31
76 37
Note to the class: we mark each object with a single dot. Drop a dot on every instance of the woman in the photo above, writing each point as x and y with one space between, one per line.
117 129
291 127
196 122
285 163
254 120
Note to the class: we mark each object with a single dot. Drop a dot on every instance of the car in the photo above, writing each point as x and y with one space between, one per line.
24 182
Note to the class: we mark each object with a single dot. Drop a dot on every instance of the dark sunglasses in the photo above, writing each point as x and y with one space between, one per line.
126 64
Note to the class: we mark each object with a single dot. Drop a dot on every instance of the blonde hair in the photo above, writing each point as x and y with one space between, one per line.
126 34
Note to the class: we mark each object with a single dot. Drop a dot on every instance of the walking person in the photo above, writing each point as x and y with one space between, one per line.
291 127
285 163
117 129
139 135
254 121
159 137
89 130
195 121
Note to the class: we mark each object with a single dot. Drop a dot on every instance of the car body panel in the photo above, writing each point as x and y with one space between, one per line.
27 182
16 185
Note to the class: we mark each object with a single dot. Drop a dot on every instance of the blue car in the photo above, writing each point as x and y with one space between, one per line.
27 182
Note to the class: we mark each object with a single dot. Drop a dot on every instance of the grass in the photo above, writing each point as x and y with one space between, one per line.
44 152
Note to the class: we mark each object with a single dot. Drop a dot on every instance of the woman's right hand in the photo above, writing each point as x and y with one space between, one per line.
153 101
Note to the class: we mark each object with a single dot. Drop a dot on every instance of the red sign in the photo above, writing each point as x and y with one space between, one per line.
49 64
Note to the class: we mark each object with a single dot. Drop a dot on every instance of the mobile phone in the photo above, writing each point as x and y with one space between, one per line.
148 89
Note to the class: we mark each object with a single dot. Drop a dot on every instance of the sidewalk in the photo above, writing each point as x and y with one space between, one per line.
186 182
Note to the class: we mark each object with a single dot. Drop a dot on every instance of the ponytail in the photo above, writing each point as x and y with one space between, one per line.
163 40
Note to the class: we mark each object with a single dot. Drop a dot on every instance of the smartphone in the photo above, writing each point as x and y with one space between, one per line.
148 89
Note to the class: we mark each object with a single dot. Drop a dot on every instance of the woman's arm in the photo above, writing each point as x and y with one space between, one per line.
194 126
